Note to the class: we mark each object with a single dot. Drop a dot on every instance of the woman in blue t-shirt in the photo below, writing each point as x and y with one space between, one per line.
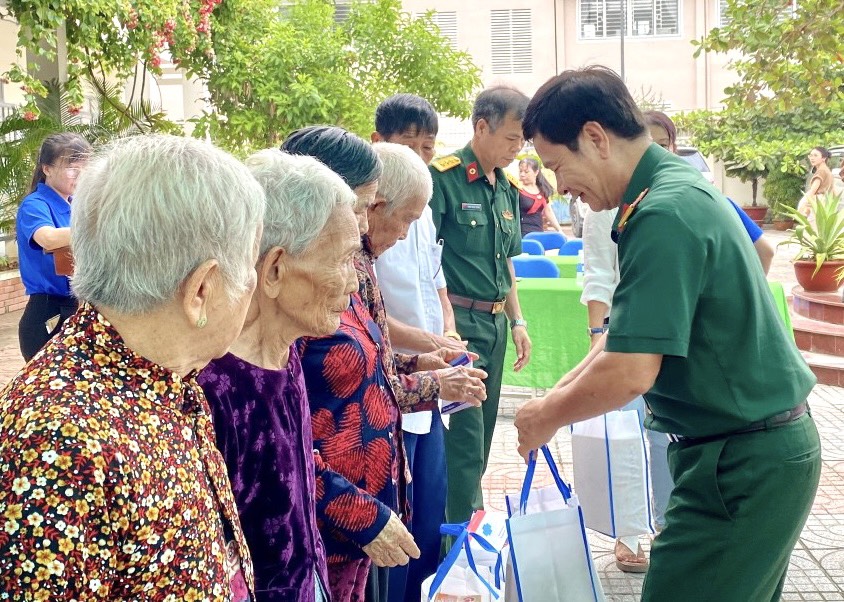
43 226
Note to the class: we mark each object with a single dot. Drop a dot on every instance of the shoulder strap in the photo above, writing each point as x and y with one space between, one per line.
446 163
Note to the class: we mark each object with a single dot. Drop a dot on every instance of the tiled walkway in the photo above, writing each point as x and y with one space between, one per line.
817 565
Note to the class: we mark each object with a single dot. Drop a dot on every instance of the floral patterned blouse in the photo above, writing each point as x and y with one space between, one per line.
112 488
415 391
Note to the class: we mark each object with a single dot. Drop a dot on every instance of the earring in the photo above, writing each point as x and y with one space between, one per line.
201 322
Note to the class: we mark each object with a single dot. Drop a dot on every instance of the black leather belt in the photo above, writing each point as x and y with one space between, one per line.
760 425
492 307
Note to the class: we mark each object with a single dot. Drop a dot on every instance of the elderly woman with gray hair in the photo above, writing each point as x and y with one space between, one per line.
112 485
257 390
356 409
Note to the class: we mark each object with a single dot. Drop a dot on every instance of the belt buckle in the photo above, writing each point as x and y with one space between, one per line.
497 307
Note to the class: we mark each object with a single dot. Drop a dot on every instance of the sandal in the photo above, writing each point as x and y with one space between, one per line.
627 561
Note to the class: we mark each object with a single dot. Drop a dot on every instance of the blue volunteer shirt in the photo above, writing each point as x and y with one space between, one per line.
753 231
43 207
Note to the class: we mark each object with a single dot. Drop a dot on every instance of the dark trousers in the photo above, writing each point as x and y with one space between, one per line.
736 511
376 584
33 332
426 494
469 436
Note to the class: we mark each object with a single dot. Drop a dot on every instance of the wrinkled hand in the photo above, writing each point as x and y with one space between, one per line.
393 546
461 383
449 343
440 358
533 426
523 345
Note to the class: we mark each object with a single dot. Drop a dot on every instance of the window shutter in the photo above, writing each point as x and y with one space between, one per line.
447 22
512 46
667 17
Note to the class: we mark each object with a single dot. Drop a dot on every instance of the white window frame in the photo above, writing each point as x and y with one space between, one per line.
512 52
631 31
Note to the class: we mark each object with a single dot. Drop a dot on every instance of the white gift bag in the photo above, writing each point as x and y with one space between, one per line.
611 473
459 578
550 556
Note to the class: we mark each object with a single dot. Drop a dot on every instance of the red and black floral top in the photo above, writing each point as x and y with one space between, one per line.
112 487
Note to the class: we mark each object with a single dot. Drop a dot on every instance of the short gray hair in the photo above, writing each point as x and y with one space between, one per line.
405 176
301 195
148 210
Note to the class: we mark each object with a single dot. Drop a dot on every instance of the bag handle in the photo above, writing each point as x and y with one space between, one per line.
462 542
565 490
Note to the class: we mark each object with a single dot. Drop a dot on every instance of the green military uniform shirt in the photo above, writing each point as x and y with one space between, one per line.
478 224
692 289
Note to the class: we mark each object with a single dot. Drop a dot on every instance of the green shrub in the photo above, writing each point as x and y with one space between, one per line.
782 190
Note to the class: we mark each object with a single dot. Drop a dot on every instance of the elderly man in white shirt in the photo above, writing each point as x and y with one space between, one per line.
420 319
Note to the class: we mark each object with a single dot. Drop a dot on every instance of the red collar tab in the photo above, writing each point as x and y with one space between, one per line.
473 172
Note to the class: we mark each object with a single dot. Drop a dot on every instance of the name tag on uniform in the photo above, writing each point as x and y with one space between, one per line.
470 206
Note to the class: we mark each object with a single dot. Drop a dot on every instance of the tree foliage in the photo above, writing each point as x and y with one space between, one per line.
276 70
104 37
790 93
21 138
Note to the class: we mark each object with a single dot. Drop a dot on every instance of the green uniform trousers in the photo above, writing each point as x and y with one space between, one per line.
736 511
469 434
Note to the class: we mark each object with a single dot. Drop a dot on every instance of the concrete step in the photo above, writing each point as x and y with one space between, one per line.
828 368
823 307
818 336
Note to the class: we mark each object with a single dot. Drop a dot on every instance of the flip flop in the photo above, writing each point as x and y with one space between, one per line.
628 562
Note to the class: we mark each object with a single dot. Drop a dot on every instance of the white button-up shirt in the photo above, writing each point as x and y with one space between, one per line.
600 255
409 276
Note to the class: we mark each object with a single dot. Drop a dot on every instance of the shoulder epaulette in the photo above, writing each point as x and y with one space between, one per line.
514 181
446 163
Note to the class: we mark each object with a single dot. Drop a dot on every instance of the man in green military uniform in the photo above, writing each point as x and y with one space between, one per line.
694 328
476 212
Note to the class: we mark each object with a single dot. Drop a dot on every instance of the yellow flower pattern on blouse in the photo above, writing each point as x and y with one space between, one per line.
112 487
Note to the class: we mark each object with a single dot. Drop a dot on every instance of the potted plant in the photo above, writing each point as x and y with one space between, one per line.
782 189
820 258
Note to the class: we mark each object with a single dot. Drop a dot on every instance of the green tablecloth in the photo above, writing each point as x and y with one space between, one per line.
567 264
557 325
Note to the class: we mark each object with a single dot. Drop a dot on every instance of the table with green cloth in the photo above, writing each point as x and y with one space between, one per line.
567 264
557 324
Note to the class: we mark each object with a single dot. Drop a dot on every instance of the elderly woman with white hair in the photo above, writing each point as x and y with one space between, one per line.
257 390
355 408
113 487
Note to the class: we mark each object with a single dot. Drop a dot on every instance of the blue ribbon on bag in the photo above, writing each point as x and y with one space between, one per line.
565 490
461 532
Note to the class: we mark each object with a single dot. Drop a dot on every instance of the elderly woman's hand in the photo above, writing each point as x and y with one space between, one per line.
462 383
393 546
440 358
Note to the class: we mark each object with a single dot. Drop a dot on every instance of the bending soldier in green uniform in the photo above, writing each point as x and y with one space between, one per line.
694 328
476 213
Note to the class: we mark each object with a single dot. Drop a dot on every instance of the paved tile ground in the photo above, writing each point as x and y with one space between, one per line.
817 564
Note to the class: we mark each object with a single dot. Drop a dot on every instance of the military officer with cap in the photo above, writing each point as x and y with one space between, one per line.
476 212
694 328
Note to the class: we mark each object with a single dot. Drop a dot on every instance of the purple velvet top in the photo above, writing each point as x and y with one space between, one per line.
262 423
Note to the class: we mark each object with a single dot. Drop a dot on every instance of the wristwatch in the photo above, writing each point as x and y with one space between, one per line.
518 322
596 330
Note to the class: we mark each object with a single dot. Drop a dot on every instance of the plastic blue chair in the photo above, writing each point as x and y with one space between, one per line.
549 240
572 247
535 267
532 247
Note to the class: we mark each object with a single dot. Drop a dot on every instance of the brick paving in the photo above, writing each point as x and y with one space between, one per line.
817 564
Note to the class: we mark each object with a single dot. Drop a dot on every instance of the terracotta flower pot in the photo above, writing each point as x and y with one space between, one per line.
783 224
822 282
757 214
64 261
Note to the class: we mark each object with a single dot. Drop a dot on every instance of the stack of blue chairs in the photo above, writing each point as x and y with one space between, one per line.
532 247
572 247
549 240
